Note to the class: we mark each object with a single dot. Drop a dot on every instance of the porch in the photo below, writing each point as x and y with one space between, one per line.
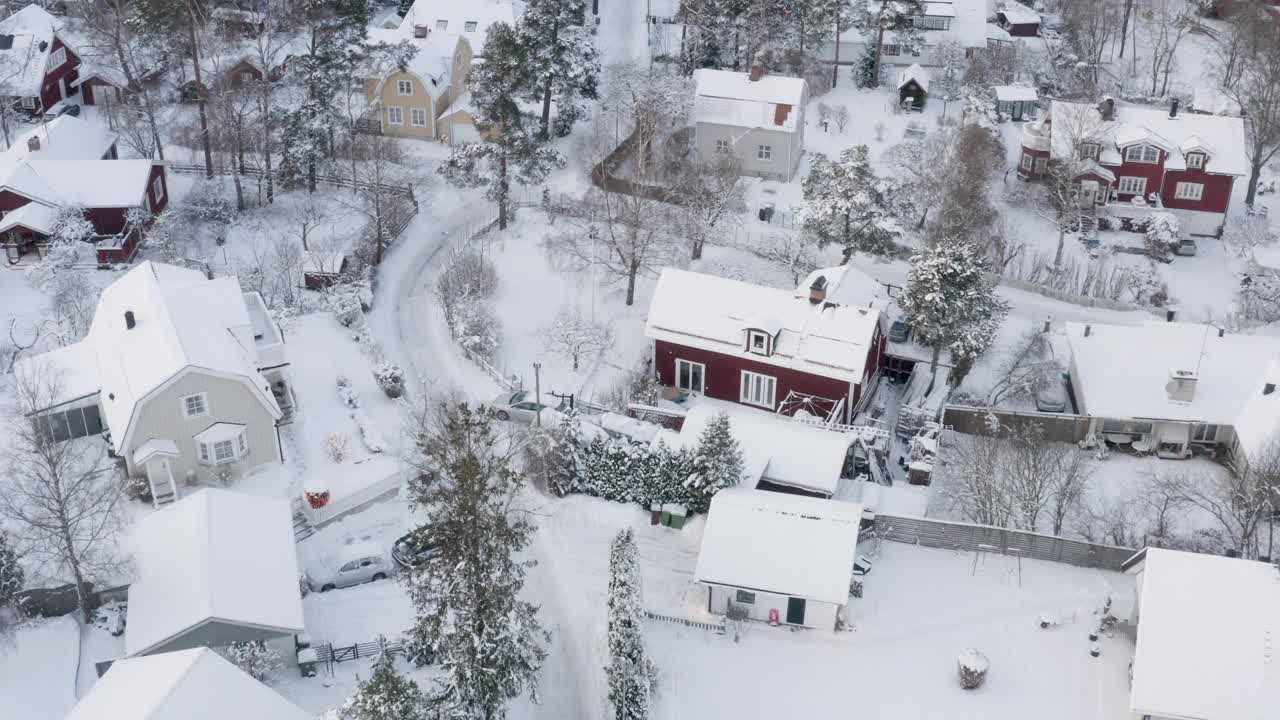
154 456
1168 439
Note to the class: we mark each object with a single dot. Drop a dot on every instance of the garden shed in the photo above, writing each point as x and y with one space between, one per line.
913 88
1016 102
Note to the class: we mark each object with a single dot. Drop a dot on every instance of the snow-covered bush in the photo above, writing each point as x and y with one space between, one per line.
337 446
348 394
137 487
573 336
387 695
390 377
630 673
254 658
467 282
11 574
1161 233
208 201
973 667
477 329
346 308
304 587
368 432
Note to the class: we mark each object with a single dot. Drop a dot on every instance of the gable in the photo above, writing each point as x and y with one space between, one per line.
231 398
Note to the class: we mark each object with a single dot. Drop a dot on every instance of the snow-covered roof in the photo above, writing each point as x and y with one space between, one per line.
1222 137
724 97
916 73
846 285
1122 370
1016 93
968 26
774 448
23 63
708 312
33 216
1208 98
1201 614
63 138
433 62
182 320
215 556
196 684
1258 424
785 544
67 168
153 447
467 18
995 33
1019 14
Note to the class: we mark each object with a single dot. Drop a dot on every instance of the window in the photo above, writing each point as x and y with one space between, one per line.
395 115
243 444
247 78
758 342
1089 151
442 25
404 87
764 152
691 376
1142 154
223 452
891 50
757 389
69 424
1195 160
157 188
1027 162
29 103
472 25
222 444
349 567
58 57
743 597
195 405
723 147
418 116
1188 191
1126 427
1204 433
1130 185
204 452
931 23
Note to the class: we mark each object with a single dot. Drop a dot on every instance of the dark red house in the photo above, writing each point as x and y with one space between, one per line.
1131 160
763 347
1019 20
45 66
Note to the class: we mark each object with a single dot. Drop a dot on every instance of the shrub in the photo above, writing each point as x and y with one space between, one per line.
368 432
254 658
1161 233
136 487
390 378
337 446
973 667
348 394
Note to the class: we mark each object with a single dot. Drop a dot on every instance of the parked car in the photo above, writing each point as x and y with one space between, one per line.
411 550
1051 396
519 406
1186 247
60 108
351 564
899 331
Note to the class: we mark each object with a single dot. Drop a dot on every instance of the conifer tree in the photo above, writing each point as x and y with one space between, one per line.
629 672
562 59
11 574
718 460
846 204
387 695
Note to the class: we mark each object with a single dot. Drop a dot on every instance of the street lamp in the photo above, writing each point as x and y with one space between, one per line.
537 392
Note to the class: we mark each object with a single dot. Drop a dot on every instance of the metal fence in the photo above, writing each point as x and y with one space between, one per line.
328 653
716 627
1056 427
984 538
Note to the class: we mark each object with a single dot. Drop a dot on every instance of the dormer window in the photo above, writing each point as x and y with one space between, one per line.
1089 151
1142 154
759 342
472 25
442 25
1195 160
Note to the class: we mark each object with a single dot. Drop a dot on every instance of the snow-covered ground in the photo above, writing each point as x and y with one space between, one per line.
38 667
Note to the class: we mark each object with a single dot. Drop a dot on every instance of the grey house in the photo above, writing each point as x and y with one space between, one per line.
757 118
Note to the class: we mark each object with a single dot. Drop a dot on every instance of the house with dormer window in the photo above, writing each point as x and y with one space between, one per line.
38 67
768 348
1129 160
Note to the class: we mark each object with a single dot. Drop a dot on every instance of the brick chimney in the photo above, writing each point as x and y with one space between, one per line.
33 143
421 31
1173 108
818 290
757 72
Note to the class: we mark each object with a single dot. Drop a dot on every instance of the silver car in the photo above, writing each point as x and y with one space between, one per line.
518 406
354 565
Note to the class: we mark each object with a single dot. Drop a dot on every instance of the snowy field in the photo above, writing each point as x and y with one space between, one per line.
38 669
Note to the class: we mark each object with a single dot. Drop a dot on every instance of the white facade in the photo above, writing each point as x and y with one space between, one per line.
763 606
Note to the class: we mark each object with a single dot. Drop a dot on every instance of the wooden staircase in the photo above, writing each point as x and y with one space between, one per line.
163 492
302 527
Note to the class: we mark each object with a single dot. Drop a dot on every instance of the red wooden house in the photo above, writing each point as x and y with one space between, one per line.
40 67
1130 160
763 347
1019 20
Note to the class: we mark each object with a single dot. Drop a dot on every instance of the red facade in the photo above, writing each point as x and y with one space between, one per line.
1215 198
58 80
157 189
1023 30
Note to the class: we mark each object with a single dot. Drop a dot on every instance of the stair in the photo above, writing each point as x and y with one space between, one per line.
302 528
285 401
163 493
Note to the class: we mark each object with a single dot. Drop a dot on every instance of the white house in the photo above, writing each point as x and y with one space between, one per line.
783 558
962 23
196 684
186 375
757 118
1206 645
1170 388
215 568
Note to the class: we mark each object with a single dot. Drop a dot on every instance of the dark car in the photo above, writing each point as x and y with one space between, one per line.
411 550
899 331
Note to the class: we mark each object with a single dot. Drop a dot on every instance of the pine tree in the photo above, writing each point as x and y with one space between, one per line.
11 574
387 695
951 304
253 657
718 460
629 672
567 466
563 62
878 18
469 616
845 203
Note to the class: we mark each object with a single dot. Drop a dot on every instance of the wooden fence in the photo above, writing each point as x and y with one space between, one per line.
716 627
331 180
328 653
602 176
985 538
1057 427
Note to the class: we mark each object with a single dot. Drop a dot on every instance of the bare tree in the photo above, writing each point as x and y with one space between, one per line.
1257 91
919 160
1237 500
19 344
380 194
60 501
269 49
234 112
710 192
1029 366
1090 26
12 68
795 251
307 215
973 482
1069 484
1167 23
573 336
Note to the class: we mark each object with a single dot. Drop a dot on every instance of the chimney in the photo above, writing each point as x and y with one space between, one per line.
6 42
1181 386
33 143
1222 332
421 31
1170 314
1268 388
818 290
1107 108
129 322
1088 329
757 72
1173 108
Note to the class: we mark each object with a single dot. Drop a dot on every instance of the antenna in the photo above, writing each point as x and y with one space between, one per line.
1204 341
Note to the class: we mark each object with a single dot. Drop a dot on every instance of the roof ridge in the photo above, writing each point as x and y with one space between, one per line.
198 655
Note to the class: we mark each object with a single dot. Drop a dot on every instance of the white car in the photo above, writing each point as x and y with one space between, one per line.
519 406
352 564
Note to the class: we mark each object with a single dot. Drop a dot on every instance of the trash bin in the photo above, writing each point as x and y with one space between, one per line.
675 515
655 514
307 662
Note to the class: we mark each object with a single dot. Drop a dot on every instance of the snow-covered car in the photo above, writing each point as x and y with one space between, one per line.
1051 396
411 550
519 406
60 108
1185 247
351 564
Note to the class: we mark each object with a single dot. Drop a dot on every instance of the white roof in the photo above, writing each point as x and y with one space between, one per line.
433 62
1122 370
1259 420
195 684
785 544
213 556
998 34
68 169
1015 93
1222 136
968 25
23 64
917 73
154 446
456 14
731 98
1201 614
33 215
219 432
1019 14
775 448
708 312
63 138
849 286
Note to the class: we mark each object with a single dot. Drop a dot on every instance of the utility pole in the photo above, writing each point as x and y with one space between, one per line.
537 391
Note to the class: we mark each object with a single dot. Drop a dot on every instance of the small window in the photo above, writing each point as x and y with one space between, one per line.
1204 433
472 25
1028 162
157 188
1195 160
759 342
418 116
58 57
247 78
891 50
764 152
691 376
1188 191
1130 185
723 147
742 597
195 405
1089 151
1126 427
224 451
29 103
395 115
404 87
1143 154
204 452
442 25
244 444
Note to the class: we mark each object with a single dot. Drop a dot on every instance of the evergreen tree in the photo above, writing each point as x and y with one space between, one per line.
845 203
568 456
253 657
951 304
387 695
469 616
11 575
563 61
865 71
878 18
718 460
629 672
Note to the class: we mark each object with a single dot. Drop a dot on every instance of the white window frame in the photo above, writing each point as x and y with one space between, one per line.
442 25
1089 151
223 452
29 103
764 153
1195 160
763 337
744 597
1126 184
395 115
157 188
1188 191
758 389
247 78
723 147
1028 162
57 58
1205 433
702 375
186 404
471 26
415 113
1148 154
890 50
404 88
204 453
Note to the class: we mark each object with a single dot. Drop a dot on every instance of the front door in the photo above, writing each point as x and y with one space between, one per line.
690 376
795 611
1015 111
